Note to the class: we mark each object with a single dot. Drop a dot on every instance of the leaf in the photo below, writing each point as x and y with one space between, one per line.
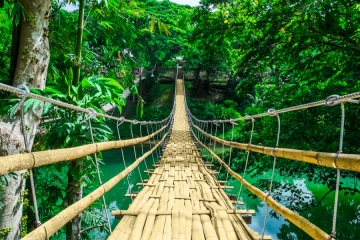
152 24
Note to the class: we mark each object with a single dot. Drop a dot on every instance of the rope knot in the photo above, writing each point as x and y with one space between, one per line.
332 236
91 113
272 112
23 96
332 100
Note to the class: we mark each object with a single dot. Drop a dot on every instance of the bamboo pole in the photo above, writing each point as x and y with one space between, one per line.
332 160
17 162
193 212
46 230
301 222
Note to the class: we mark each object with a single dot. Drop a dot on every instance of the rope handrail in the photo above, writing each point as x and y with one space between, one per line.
16 162
301 222
92 112
343 161
330 101
49 228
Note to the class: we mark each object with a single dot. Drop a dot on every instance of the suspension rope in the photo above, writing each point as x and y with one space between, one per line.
99 176
210 143
123 158
155 139
338 171
142 152
152 154
212 157
132 136
335 99
247 155
272 113
232 138
20 107
20 92
223 148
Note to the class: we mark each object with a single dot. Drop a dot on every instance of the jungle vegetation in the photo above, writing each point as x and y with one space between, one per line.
268 54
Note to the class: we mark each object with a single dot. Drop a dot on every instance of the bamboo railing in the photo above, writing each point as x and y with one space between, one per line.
16 162
332 160
50 227
301 222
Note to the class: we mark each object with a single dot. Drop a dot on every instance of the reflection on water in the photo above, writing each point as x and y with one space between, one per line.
348 223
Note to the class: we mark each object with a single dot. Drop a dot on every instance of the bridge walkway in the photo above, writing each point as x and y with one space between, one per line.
182 199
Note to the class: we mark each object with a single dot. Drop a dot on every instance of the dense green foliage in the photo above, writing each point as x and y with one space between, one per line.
271 53
281 54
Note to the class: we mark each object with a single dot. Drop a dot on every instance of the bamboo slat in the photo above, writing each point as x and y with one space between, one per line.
332 160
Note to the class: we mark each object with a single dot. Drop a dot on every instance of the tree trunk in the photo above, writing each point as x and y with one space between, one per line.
74 194
31 69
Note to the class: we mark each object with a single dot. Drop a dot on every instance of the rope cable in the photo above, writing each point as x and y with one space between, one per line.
223 148
247 155
132 136
212 157
142 152
152 154
230 152
341 141
273 113
99 176
20 107
123 158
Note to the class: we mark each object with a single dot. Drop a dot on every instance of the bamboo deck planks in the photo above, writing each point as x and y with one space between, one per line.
182 199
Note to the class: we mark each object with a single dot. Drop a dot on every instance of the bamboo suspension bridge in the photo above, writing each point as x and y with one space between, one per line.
183 198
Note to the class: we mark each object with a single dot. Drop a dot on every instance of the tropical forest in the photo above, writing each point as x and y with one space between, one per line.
260 97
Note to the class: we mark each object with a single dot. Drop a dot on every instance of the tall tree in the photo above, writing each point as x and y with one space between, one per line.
31 69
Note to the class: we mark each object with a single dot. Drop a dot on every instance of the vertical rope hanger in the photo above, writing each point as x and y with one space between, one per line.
223 148
132 136
155 139
123 158
230 152
272 113
152 153
212 158
211 133
91 115
20 107
142 150
247 155
341 141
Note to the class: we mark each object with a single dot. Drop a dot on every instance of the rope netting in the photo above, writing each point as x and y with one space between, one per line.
337 160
